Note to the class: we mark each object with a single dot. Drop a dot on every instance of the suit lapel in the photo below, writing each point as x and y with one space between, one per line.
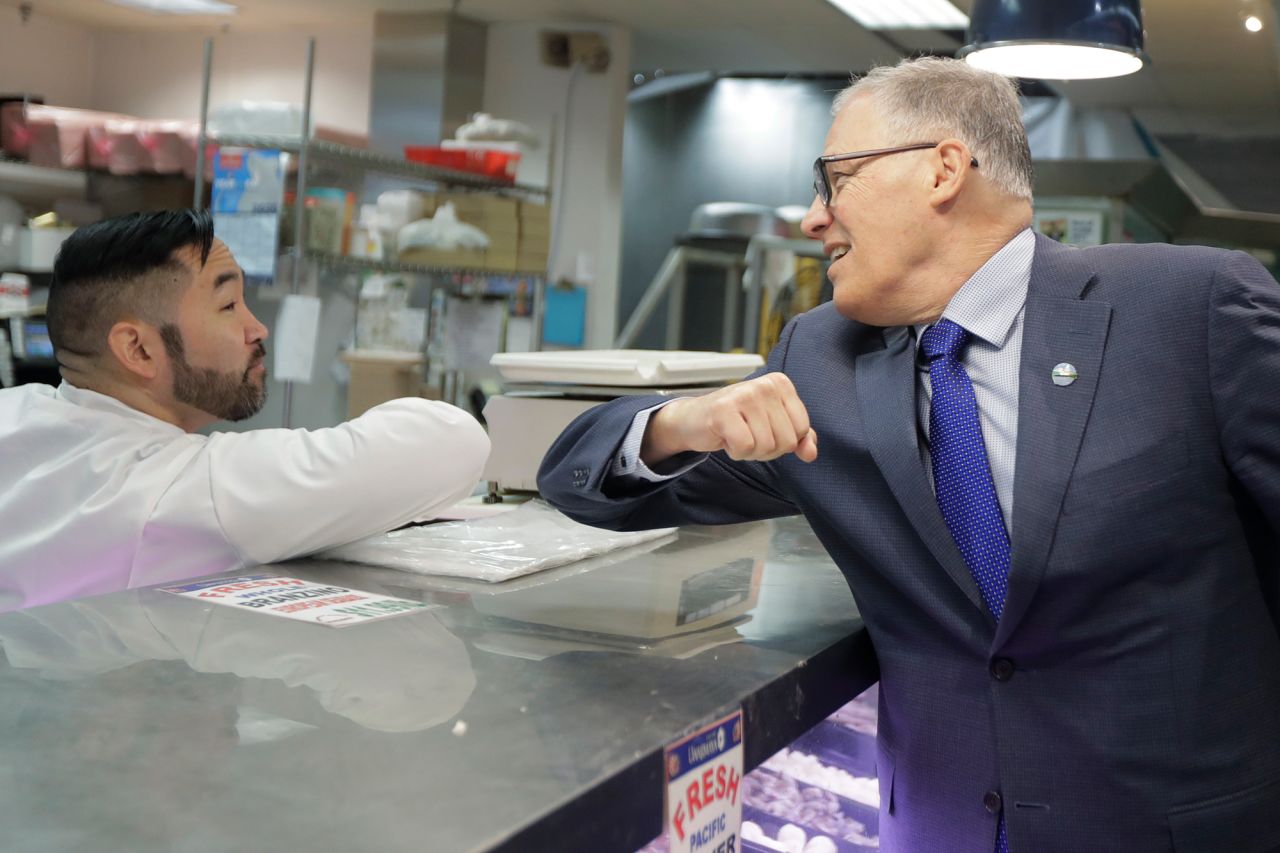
1058 327
886 389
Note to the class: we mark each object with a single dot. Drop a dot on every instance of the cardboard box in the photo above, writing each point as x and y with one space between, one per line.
501 261
531 211
534 244
533 262
472 203
446 258
377 377
499 230
504 260
471 218
537 229
500 225
496 206
503 242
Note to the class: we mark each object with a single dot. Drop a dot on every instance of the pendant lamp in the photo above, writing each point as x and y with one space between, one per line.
1056 39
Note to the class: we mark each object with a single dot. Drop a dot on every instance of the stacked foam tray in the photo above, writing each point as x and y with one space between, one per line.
820 795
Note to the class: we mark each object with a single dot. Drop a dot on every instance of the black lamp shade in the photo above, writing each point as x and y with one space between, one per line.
1115 24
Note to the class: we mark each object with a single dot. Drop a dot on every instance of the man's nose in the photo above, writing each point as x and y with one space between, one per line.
255 331
816 219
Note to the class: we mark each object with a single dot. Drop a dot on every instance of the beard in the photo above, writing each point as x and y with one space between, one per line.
232 396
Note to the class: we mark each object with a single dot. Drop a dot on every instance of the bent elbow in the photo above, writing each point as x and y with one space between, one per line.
464 450
476 446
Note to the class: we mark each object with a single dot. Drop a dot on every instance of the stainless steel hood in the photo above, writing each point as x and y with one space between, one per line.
428 77
1194 207
1107 153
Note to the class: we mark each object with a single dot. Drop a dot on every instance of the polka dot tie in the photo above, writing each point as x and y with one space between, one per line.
962 477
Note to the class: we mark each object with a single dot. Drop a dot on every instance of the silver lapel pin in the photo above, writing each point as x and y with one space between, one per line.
1064 374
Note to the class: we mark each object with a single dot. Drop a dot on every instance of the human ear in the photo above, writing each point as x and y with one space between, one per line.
135 347
951 169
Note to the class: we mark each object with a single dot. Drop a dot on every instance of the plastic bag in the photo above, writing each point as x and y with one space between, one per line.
272 118
485 128
525 540
443 231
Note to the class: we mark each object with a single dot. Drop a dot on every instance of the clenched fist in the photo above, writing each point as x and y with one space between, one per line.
758 420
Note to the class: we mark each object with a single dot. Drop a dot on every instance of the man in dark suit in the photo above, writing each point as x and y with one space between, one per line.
1051 476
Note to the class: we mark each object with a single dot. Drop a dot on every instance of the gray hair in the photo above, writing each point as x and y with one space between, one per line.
933 98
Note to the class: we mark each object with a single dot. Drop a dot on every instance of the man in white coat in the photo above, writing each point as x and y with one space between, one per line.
106 483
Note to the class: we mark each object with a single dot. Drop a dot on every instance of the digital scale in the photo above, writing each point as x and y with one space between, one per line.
545 391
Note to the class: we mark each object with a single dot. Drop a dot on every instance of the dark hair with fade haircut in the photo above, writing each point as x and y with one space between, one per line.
119 268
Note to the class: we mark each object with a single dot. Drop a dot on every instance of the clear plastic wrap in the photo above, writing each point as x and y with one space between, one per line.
525 540
273 118
256 117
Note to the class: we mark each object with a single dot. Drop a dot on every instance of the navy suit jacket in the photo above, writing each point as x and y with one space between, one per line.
1129 698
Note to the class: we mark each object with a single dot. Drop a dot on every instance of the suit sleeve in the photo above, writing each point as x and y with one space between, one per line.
575 475
1244 367
1244 359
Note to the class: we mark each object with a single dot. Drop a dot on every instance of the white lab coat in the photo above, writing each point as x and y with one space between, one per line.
96 496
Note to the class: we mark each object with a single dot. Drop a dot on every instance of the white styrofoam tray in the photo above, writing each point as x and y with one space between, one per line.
628 367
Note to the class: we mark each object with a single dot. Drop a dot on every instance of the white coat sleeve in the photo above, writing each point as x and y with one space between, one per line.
281 493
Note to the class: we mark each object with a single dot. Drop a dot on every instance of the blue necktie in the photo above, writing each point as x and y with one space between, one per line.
961 476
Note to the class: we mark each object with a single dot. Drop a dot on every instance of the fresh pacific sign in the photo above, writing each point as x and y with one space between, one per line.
704 780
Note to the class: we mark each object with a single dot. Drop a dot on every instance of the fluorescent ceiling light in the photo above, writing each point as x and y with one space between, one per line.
903 14
1253 24
179 7
1055 61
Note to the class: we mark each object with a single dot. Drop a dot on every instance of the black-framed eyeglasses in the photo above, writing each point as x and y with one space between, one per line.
822 184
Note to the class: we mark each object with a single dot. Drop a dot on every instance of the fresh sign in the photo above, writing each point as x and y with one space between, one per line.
704 789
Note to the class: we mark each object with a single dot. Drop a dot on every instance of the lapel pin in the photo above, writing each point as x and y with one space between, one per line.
1064 374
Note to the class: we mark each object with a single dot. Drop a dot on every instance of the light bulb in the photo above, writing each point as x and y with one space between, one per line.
1055 61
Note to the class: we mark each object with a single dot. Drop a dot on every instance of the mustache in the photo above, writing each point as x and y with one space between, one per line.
259 355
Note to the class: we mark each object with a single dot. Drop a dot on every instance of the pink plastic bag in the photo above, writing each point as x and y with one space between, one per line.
167 146
127 152
117 147
58 136
15 138
98 152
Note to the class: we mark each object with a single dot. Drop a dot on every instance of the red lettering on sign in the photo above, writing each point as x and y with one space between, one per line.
695 802
678 820
708 786
720 785
228 589
732 786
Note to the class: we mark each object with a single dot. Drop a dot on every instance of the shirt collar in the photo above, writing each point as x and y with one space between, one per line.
87 399
991 300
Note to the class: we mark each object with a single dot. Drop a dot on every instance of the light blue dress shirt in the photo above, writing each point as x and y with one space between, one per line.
990 306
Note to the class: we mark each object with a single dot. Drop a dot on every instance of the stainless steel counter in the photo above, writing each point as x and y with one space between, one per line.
528 715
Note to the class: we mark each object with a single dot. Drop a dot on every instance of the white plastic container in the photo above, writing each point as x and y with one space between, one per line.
10 246
366 237
38 247
15 295
628 368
